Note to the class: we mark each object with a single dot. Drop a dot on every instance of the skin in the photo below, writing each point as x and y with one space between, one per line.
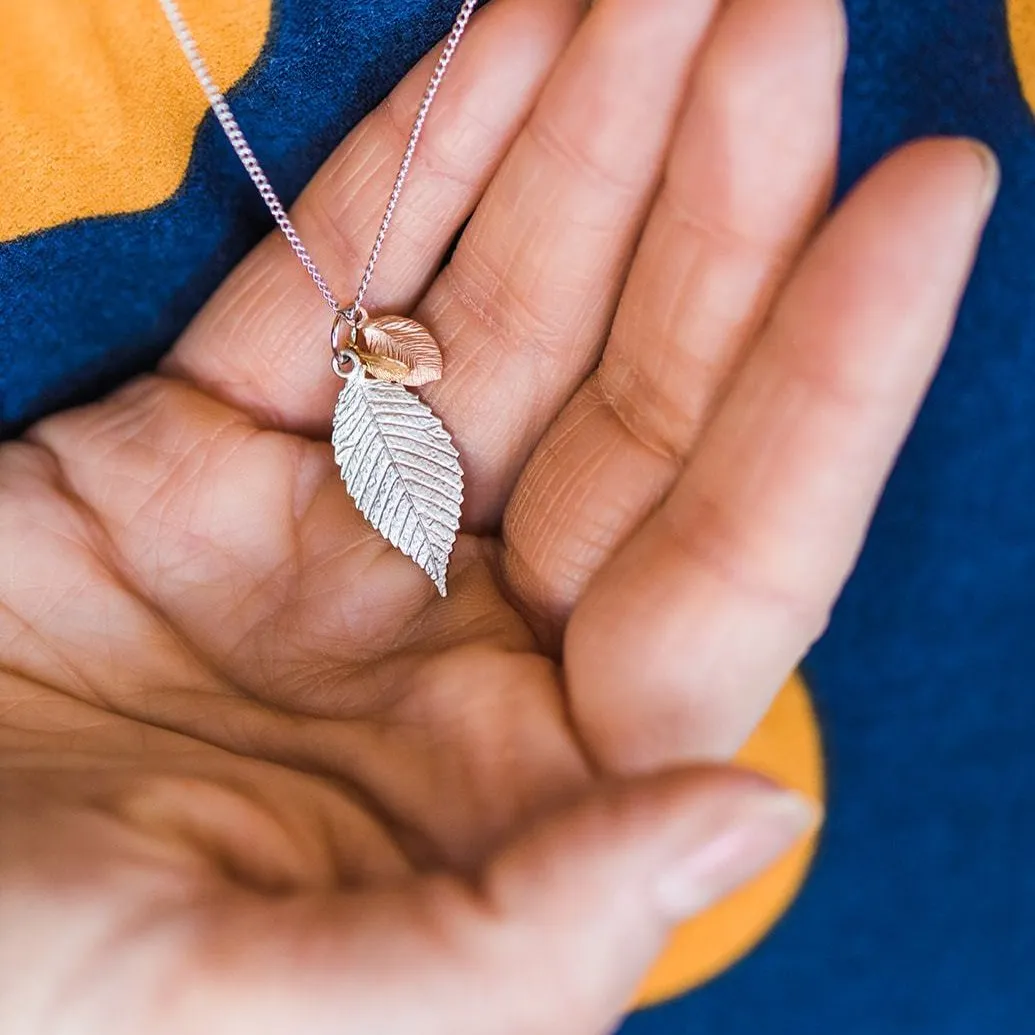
254 774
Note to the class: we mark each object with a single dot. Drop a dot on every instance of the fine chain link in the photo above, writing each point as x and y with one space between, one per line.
452 42
241 146
239 143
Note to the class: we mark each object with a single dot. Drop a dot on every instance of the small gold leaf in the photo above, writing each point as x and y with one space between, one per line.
383 368
400 350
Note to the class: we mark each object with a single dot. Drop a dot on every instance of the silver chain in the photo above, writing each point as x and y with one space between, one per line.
251 164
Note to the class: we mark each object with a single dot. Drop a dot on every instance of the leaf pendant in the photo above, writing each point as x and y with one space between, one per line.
400 467
400 350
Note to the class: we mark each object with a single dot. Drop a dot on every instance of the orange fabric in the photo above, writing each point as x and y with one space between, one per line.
1021 19
99 106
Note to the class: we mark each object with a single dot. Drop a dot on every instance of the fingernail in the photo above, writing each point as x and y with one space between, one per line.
992 174
755 832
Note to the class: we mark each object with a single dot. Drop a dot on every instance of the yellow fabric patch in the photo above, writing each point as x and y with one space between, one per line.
99 106
787 748
1021 19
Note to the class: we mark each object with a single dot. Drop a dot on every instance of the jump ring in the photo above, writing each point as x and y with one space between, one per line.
340 319
355 369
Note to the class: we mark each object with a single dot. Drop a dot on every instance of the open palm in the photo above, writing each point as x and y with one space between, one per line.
255 775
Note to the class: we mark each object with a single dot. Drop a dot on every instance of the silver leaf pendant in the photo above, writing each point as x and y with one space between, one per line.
400 467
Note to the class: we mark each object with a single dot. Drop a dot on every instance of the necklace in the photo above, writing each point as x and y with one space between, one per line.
397 461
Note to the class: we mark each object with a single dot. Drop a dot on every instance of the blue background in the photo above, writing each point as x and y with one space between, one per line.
920 915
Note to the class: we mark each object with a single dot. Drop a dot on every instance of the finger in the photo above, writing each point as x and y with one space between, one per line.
680 643
555 937
525 303
749 174
262 342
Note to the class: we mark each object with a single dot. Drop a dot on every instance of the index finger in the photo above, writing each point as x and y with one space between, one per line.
261 342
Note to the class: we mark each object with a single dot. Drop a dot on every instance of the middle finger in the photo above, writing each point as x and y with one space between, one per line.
525 304
749 172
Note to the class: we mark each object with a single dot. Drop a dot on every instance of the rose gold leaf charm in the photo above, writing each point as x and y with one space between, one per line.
400 350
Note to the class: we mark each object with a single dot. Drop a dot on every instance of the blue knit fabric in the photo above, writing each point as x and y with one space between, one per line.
920 915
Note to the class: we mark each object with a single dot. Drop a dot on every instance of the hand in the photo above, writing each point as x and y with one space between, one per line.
256 776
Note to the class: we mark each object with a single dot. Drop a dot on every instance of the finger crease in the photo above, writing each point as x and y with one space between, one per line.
705 535
635 420
581 161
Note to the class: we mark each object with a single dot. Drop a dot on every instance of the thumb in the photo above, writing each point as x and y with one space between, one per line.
594 893
555 937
